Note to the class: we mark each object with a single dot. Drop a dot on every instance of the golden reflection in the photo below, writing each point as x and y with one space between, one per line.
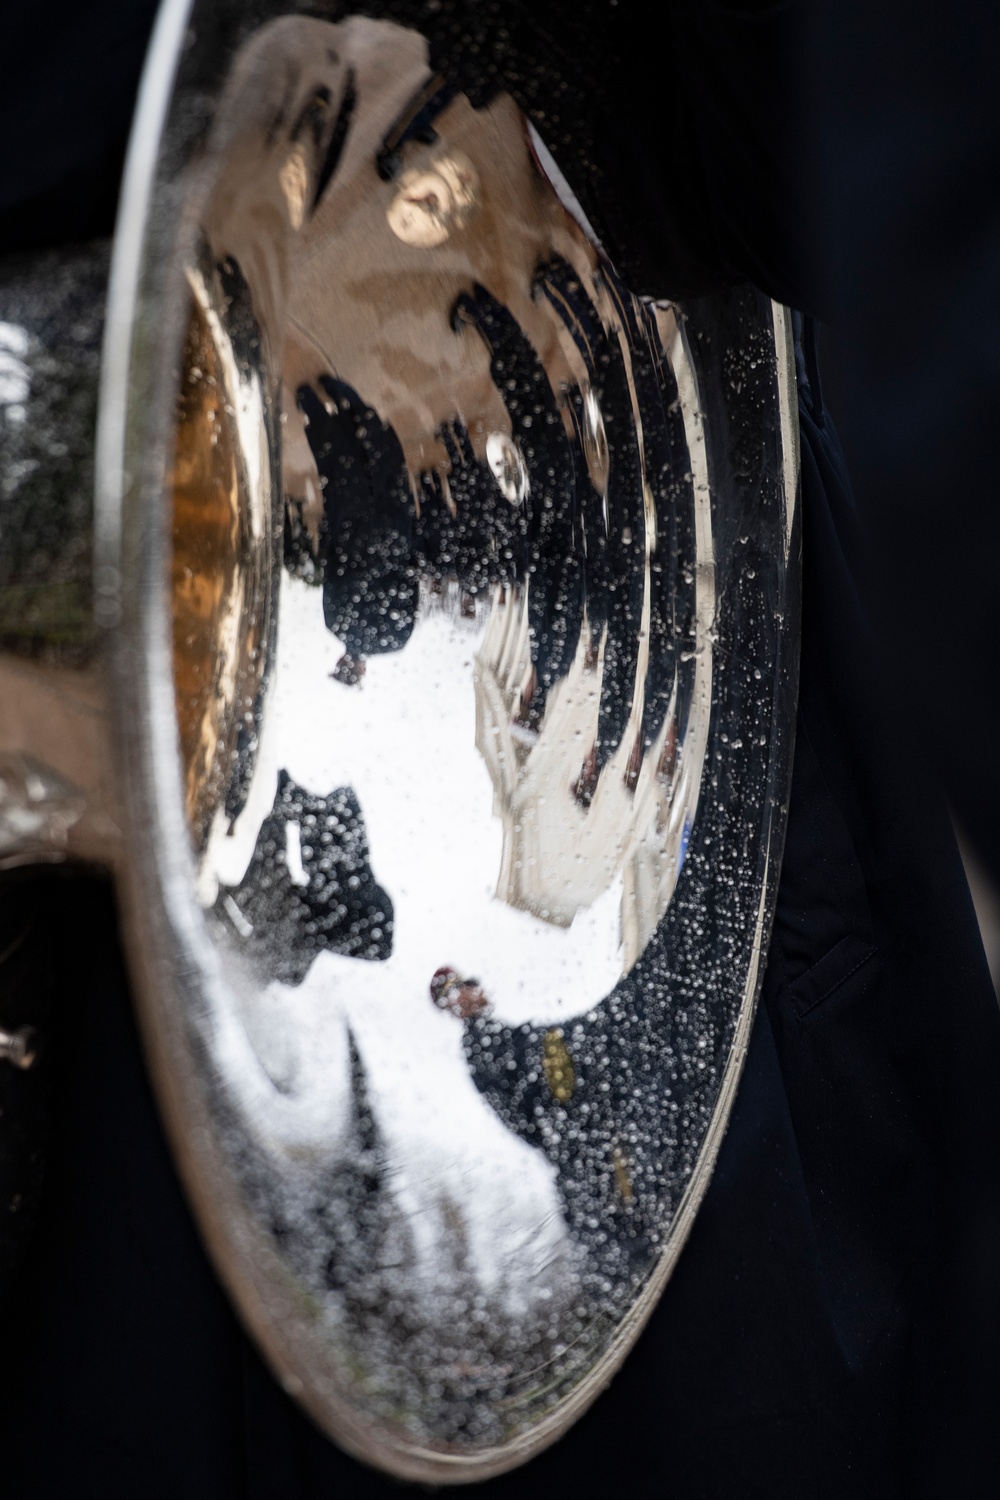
557 1060
216 631
623 1181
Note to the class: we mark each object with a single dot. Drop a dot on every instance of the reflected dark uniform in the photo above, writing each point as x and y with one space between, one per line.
280 923
366 542
568 1091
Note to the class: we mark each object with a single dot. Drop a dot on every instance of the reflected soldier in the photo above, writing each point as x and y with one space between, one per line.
571 1091
370 592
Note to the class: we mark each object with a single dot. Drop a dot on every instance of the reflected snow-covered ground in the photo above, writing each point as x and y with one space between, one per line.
405 740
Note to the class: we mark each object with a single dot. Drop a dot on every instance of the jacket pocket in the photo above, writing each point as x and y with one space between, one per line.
827 976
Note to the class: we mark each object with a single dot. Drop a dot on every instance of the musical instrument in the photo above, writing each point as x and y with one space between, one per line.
433 709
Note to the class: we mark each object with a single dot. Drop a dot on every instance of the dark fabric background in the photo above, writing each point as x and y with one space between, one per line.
907 137
833 1327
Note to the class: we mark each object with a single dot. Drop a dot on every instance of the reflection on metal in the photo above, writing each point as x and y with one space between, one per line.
38 807
454 586
223 546
560 1075
294 179
20 1047
55 766
508 467
595 442
482 815
431 203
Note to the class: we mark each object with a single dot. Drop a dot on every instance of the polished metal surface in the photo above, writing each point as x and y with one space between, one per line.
451 600
55 739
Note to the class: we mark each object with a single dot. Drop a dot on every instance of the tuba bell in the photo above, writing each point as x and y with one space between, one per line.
416 643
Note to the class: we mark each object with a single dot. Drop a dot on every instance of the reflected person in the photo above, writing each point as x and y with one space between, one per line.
570 1092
